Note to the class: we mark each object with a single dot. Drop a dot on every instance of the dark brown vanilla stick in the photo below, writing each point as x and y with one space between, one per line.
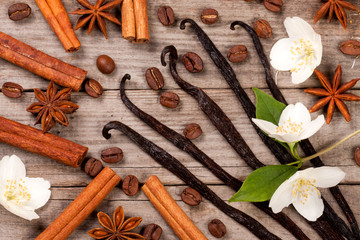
281 154
188 146
305 144
174 166
217 117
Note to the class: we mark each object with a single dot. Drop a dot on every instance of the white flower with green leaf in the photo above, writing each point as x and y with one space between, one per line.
19 194
301 191
301 53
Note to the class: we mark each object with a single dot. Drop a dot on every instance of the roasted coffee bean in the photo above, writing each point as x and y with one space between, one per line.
237 54
217 228
350 47
357 156
192 131
19 11
166 15
273 5
93 167
169 99
12 90
193 62
130 185
105 64
112 155
209 16
154 78
93 88
191 197
152 232
263 28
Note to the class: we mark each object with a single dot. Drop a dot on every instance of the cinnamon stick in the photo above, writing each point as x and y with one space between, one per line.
82 206
45 144
135 25
128 20
180 223
55 14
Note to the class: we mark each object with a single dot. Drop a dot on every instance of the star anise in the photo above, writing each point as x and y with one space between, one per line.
117 229
333 94
337 7
52 107
96 13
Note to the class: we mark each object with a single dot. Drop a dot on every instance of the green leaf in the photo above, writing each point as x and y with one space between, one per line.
267 107
261 184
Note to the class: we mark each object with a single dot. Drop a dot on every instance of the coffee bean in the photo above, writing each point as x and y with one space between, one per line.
130 185
19 11
209 16
217 228
350 47
273 5
93 167
357 156
263 28
169 99
105 64
152 232
192 131
93 88
237 54
193 62
166 15
12 90
112 155
191 197
154 78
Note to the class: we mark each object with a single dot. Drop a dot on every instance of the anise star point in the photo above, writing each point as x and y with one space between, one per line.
96 13
117 228
338 7
52 107
333 94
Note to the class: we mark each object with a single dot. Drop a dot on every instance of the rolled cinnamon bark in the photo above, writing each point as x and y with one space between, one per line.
55 14
45 144
35 61
128 20
141 22
82 206
180 223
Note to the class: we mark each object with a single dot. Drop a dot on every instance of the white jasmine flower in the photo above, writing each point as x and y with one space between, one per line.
295 124
19 194
301 53
301 191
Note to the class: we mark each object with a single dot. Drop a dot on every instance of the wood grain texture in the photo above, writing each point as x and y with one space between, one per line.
86 124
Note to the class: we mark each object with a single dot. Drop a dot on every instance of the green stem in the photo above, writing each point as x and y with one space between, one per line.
330 147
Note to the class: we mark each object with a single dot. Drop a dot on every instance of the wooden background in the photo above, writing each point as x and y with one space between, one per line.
86 124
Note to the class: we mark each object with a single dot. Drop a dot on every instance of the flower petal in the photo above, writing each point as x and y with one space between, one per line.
298 28
26 213
286 137
280 55
300 114
318 48
325 177
312 208
282 197
302 74
311 128
38 188
267 127
286 114
11 168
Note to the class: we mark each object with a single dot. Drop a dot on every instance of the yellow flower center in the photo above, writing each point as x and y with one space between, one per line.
289 127
16 192
304 52
303 188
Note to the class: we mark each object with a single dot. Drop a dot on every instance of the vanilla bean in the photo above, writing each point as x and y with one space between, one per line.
174 166
305 144
188 146
281 154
